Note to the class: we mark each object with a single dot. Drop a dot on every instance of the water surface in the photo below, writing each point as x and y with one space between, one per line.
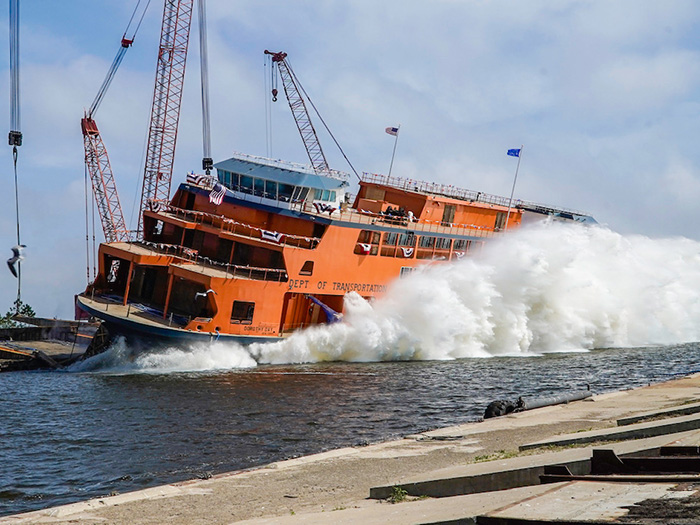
72 436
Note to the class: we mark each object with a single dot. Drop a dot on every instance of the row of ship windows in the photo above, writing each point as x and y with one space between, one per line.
271 189
402 244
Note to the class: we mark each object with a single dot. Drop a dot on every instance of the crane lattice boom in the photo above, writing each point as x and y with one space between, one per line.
300 113
165 111
100 169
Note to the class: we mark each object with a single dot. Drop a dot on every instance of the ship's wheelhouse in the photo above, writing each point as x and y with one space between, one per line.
281 185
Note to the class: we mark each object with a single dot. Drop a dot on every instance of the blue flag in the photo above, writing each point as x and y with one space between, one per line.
514 152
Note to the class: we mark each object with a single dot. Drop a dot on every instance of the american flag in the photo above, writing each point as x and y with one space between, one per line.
216 195
392 131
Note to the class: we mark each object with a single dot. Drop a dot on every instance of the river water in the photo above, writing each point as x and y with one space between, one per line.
71 436
548 312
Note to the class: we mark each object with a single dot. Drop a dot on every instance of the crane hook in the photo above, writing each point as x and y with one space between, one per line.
274 94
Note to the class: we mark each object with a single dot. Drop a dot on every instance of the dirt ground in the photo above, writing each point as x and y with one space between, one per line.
685 511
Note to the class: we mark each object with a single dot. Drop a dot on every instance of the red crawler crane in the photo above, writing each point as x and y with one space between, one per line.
165 115
100 170
165 111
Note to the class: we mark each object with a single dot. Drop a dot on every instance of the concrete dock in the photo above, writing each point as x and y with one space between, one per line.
486 472
43 343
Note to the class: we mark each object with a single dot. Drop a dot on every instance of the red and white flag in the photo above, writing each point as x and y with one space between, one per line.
392 131
364 248
193 178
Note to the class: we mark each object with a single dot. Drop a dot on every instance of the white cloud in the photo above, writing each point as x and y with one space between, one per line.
681 182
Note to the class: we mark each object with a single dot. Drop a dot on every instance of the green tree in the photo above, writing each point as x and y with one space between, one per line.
20 308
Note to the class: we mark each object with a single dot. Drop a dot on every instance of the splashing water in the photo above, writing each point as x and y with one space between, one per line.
549 287
119 358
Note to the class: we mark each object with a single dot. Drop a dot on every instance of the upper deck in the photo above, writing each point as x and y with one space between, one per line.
288 185
471 196
278 204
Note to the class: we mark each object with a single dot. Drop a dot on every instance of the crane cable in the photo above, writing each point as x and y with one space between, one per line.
87 227
15 136
268 81
207 162
124 45
296 79
19 243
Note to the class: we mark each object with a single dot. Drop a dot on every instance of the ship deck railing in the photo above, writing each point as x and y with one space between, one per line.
448 190
416 225
234 227
191 256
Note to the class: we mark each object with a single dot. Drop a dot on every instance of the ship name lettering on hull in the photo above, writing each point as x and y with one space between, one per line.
359 287
298 284
259 329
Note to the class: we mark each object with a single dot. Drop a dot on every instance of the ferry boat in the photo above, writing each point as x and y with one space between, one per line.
268 247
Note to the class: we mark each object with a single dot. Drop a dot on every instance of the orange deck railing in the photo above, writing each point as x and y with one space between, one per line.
246 230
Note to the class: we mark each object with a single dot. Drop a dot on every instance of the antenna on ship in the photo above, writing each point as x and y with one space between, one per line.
15 136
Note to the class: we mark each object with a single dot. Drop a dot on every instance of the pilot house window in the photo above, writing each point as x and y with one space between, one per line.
242 312
246 184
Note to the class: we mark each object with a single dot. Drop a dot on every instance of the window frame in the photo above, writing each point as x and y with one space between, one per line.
247 318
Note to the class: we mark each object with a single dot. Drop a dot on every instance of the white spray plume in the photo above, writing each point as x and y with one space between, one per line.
119 358
548 287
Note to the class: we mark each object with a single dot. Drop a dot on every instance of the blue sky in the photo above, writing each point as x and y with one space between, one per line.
605 96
